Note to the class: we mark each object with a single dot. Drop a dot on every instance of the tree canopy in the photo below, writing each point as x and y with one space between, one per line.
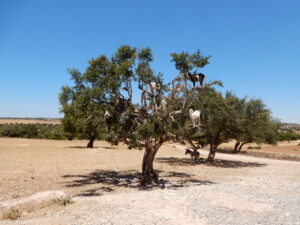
100 105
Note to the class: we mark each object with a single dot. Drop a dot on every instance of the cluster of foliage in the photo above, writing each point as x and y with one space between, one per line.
228 117
290 135
43 131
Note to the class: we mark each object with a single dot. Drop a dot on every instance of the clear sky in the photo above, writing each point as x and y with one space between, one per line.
255 46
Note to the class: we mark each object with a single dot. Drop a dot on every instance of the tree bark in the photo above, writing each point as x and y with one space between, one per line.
236 146
212 153
91 142
240 147
70 137
148 174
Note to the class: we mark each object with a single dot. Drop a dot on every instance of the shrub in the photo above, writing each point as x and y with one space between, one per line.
11 131
12 214
255 147
63 201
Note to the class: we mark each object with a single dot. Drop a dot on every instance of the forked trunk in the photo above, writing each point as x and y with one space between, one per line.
240 147
212 153
148 174
91 142
236 146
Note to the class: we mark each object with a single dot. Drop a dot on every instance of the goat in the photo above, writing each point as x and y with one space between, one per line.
164 106
153 86
177 89
108 119
195 155
144 97
195 116
196 77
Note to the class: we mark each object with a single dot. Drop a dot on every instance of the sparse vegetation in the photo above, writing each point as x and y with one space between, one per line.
254 147
288 135
12 214
39 130
63 201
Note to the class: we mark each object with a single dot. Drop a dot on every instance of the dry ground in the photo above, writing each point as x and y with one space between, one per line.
29 121
283 150
104 185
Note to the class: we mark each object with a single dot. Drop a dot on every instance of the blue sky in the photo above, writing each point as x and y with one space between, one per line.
255 46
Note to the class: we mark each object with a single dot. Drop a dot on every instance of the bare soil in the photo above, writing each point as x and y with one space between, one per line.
29 121
283 150
103 182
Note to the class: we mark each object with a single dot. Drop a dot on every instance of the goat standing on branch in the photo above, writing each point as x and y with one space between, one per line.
196 77
195 117
144 97
108 120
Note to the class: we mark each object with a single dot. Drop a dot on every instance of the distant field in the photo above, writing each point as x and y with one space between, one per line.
29 121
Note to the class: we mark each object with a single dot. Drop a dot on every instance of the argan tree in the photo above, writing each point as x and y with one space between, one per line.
221 115
103 97
228 117
255 124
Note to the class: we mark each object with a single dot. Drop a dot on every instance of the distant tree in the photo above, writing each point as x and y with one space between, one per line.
288 135
255 125
29 130
220 115
11 130
82 113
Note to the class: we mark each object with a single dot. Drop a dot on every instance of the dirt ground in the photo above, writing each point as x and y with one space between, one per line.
29 121
103 183
283 150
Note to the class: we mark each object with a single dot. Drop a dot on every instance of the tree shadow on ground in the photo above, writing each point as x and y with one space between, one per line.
226 151
80 147
218 163
109 181
109 147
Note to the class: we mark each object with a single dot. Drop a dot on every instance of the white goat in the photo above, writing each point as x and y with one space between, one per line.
164 106
177 89
195 116
107 115
154 86
108 119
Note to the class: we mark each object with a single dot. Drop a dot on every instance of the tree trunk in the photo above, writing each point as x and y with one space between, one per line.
240 147
212 153
148 174
70 137
91 142
236 146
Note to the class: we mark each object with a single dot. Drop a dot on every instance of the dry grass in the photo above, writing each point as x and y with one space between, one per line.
12 214
283 150
62 201
29 166
29 121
